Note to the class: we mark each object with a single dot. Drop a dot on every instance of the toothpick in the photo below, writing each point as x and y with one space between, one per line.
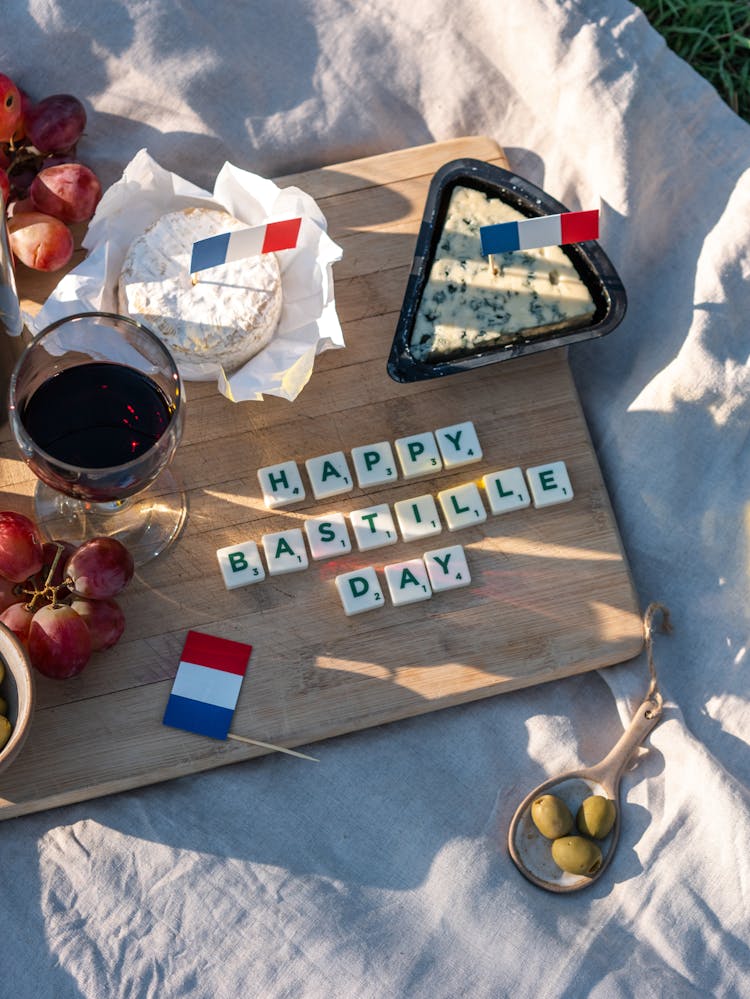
270 745
493 266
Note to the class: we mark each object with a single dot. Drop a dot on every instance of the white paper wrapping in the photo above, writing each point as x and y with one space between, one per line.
308 324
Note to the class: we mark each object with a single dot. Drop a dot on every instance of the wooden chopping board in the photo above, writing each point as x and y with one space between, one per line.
551 594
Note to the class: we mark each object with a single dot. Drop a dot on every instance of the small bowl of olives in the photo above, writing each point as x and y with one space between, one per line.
16 697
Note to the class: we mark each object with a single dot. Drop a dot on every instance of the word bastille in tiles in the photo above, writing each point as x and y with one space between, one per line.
421 517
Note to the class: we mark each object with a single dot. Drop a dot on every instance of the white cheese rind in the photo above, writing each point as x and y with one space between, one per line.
225 317
466 307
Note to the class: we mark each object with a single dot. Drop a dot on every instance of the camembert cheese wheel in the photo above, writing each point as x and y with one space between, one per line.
225 316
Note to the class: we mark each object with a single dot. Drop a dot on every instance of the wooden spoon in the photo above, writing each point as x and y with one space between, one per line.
530 850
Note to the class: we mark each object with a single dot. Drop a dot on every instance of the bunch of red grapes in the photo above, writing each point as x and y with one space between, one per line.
44 187
58 598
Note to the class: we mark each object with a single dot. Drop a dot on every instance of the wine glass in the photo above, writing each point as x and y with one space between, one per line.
96 406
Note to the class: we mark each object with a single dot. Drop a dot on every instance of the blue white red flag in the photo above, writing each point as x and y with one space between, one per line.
225 247
207 684
547 230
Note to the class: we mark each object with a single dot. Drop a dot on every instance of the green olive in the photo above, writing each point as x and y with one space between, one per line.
596 816
577 855
551 816
3 706
5 729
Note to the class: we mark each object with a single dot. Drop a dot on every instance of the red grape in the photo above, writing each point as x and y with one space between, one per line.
59 641
69 191
10 108
40 241
4 186
20 547
104 619
18 617
55 123
100 568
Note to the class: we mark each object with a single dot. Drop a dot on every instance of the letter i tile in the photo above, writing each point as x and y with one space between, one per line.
240 565
359 591
285 551
407 581
418 517
329 475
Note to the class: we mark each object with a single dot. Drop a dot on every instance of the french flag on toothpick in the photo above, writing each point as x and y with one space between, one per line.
547 230
225 247
207 684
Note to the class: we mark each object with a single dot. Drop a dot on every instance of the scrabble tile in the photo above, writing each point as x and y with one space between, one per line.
417 518
373 527
360 590
374 464
240 564
506 490
549 484
329 475
327 536
285 551
281 484
418 455
459 444
407 581
447 568
462 506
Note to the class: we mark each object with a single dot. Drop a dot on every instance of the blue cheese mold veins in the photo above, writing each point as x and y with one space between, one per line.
467 305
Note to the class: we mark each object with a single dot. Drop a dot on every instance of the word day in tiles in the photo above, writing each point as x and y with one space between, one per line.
377 526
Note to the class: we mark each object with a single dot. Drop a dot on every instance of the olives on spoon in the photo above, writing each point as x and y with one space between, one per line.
571 862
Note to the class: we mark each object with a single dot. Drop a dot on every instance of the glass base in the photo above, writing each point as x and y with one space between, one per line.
147 523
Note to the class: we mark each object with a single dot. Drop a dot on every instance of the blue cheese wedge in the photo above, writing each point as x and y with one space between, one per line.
224 317
467 306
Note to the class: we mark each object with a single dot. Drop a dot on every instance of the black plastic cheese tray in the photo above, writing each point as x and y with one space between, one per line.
592 264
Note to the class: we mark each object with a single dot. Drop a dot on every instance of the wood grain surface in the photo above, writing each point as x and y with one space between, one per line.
551 594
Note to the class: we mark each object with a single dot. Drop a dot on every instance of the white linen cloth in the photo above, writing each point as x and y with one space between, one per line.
382 871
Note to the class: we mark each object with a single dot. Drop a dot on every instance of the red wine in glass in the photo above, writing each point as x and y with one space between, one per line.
96 405
95 415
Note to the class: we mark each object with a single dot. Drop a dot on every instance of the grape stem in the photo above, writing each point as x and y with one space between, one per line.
48 591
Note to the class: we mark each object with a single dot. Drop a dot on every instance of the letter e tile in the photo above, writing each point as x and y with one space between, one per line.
549 484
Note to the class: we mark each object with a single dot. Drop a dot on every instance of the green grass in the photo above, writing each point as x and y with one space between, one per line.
713 36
